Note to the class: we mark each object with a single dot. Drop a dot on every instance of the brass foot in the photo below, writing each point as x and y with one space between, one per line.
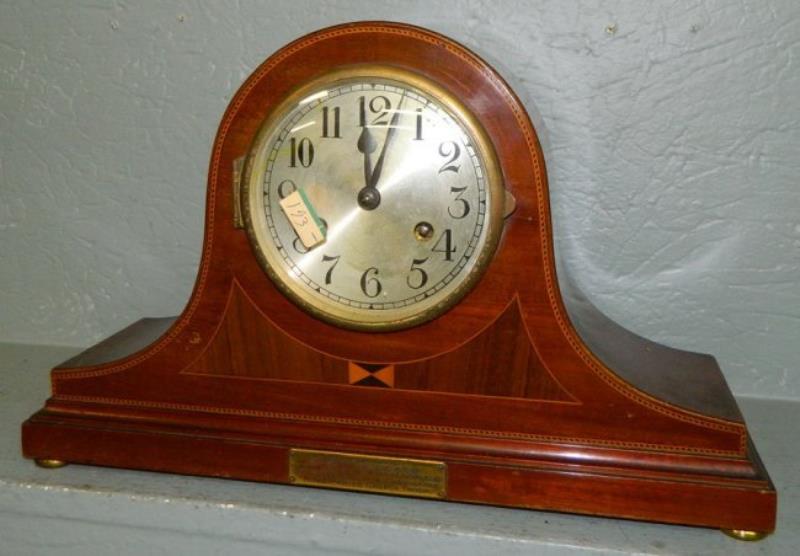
744 535
50 463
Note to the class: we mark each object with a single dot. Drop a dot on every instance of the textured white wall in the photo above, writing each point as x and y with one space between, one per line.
673 155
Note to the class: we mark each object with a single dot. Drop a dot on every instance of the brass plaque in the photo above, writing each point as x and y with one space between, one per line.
405 477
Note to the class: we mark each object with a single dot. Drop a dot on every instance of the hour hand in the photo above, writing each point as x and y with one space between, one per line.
368 197
366 146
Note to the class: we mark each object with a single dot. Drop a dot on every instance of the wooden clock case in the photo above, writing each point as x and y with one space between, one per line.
524 402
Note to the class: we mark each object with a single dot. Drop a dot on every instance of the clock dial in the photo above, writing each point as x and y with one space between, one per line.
400 181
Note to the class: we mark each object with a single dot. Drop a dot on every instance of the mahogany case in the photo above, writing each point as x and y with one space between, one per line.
524 400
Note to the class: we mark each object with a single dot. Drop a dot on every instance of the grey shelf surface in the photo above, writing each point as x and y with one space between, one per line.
91 510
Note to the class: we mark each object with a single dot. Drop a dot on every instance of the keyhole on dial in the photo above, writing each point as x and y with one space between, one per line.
423 231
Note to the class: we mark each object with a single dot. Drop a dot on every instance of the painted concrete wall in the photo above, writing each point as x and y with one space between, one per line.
673 141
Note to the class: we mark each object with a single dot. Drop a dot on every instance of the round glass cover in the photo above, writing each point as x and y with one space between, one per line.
373 198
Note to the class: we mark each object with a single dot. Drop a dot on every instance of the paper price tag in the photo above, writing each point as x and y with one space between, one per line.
303 218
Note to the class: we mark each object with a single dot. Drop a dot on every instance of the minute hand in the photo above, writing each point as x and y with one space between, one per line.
376 172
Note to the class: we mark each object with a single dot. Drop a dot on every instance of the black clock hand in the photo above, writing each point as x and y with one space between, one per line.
376 172
367 145
369 197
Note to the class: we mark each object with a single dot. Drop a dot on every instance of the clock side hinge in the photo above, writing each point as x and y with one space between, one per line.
509 203
238 170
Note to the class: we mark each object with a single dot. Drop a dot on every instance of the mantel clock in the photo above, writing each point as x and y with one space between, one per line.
377 309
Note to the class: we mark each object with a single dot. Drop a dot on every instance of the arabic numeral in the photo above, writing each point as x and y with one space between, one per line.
380 105
302 151
329 274
370 284
286 187
298 246
326 127
448 248
451 151
462 212
419 275
418 135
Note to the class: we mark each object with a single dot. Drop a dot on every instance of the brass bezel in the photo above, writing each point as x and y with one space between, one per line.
254 175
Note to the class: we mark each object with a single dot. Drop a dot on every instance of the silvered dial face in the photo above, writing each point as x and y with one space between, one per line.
405 189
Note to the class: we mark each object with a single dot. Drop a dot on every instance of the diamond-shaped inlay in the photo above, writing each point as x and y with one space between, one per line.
367 374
